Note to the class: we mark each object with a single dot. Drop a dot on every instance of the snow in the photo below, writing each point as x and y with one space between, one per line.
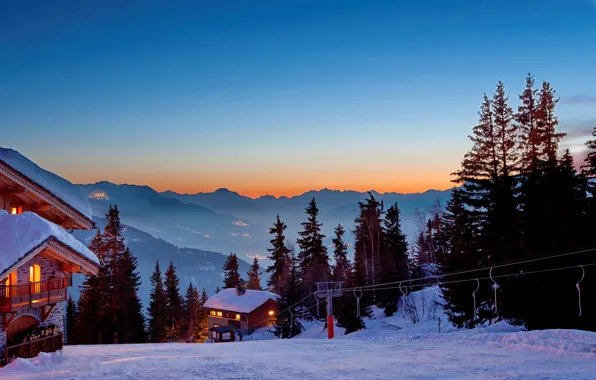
228 300
56 185
20 234
506 355
390 348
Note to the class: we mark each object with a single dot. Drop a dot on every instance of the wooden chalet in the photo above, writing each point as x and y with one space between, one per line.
37 255
236 311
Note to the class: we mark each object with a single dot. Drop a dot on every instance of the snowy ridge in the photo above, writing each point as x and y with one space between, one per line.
54 184
20 234
228 300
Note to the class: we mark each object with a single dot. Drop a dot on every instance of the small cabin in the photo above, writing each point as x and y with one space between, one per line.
234 311
38 255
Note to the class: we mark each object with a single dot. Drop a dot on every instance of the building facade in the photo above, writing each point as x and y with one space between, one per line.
38 255
235 311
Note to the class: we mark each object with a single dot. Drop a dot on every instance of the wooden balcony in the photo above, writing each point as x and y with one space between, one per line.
33 348
33 294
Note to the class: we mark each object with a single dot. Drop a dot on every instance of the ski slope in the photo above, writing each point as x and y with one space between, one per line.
390 348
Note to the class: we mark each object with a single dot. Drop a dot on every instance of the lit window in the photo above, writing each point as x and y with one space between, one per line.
212 312
35 277
271 312
219 314
238 316
16 210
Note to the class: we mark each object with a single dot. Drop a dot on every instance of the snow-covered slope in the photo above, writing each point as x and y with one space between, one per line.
550 354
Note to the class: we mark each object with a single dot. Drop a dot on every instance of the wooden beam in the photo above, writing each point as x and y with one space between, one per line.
42 207
46 311
16 189
70 268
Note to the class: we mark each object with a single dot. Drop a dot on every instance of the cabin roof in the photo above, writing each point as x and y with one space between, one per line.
22 234
50 182
229 300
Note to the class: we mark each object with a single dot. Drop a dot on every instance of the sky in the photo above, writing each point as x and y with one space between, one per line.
281 96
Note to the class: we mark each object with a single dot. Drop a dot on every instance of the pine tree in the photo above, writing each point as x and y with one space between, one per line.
394 256
287 326
489 189
88 324
314 261
369 237
342 267
459 222
526 118
278 254
204 297
157 309
191 311
71 316
173 302
131 321
254 280
231 275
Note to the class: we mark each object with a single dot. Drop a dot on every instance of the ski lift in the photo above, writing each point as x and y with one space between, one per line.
474 296
495 287
403 298
579 291
358 302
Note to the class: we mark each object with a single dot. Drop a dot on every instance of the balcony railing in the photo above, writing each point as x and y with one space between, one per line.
20 296
33 348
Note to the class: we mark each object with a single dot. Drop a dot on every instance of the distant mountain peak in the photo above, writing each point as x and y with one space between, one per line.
223 190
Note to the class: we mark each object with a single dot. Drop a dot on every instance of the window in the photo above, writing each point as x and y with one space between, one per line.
219 314
16 210
12 280
35 278
238 316
212 312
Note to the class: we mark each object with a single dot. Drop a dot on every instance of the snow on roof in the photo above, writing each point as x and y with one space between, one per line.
228 300
20 234
56 185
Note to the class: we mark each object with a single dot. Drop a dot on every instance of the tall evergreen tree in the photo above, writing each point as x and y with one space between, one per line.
279 255
254 275
157 310
131 321
314 261
394 256
89 323
231 275
192 305
369 238
71 315
287 326
173 302
342 267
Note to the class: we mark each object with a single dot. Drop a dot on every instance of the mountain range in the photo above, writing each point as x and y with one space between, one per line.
198 231
225 221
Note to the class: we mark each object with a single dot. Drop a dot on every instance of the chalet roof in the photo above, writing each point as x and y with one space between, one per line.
228 300
22 234
52 183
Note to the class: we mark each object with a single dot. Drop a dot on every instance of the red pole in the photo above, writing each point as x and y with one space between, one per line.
330 326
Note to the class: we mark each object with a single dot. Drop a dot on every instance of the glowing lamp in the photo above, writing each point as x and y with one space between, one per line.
271 312
238 316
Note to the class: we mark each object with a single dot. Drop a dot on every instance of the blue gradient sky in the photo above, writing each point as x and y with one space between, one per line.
278 97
